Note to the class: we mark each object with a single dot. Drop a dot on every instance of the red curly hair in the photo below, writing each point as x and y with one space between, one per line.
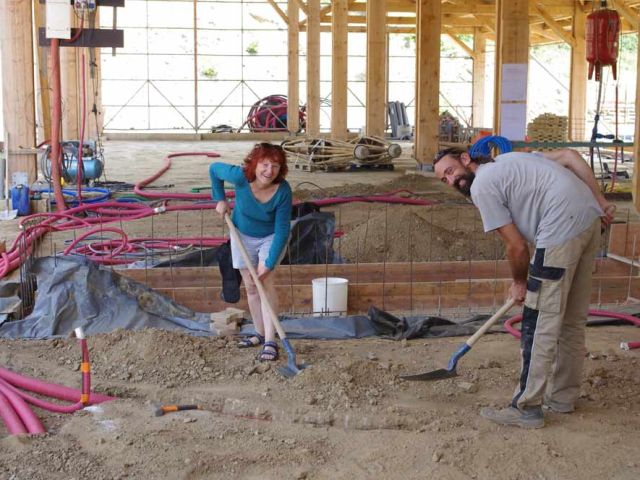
265 151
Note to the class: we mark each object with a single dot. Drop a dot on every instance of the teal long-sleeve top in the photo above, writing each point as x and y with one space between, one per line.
250 216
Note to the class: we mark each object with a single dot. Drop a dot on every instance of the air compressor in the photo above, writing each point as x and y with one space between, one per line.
601 36
92 162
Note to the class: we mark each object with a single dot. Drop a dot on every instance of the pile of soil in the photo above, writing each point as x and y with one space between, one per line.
400 233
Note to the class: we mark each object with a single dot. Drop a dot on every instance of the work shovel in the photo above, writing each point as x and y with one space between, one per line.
450 371
291 369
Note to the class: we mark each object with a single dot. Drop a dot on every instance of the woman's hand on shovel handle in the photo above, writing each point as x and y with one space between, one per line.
517 291
222 207
262 272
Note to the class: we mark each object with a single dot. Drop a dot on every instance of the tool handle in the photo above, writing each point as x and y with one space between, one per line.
263 295
489 323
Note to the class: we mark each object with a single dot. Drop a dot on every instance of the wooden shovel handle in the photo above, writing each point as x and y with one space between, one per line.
489 323
263 295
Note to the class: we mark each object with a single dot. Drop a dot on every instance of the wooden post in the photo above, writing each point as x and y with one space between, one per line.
578 80
479 63
427 81
293 87
43 113
313 68
18 91
375 103
512 63
636 145
339 38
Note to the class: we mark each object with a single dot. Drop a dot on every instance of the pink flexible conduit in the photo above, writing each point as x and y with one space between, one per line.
13 401
508 324
10 417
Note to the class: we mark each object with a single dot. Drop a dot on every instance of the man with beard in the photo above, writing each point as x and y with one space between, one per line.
552 202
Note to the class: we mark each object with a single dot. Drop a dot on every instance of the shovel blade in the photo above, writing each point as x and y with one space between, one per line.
291 370
439 374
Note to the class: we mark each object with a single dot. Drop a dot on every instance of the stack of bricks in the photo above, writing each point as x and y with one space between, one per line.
548 128
228 321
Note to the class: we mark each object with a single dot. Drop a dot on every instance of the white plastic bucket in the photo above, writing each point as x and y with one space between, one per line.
330 295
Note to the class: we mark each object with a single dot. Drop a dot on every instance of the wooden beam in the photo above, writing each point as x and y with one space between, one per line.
279 11
293 86
553 25
479 71
459 42
323 14
302 6
628 14
313 68
18 90
427 82
578 79
339 78
375 103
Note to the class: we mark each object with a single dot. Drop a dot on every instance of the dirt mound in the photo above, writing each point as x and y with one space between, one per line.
400 233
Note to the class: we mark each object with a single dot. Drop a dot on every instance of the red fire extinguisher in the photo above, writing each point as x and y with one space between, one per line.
601 35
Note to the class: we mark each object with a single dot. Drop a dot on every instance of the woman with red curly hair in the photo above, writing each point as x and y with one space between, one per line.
262 215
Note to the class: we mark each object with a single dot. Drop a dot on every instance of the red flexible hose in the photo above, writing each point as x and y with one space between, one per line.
49 389
22 409
80 166
508 324
45 405
10 417
167 165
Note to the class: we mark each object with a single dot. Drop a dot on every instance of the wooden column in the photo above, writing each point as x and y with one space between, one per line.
339 40
428 81
18 91
43 107
293 87
479 63
313 68
512 62
578 78
375 103
69 74
636 146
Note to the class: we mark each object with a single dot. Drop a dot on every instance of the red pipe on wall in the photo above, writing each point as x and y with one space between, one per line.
56 116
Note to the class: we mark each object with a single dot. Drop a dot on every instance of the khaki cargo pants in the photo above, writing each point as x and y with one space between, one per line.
554 319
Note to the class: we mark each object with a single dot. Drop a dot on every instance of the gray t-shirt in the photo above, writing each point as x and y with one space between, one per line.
546 201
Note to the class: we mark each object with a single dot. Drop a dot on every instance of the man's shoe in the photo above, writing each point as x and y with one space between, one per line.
558 407
529 418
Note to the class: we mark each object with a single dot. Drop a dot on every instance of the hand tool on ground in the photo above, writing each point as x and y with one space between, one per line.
291 369
159 410
450 371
